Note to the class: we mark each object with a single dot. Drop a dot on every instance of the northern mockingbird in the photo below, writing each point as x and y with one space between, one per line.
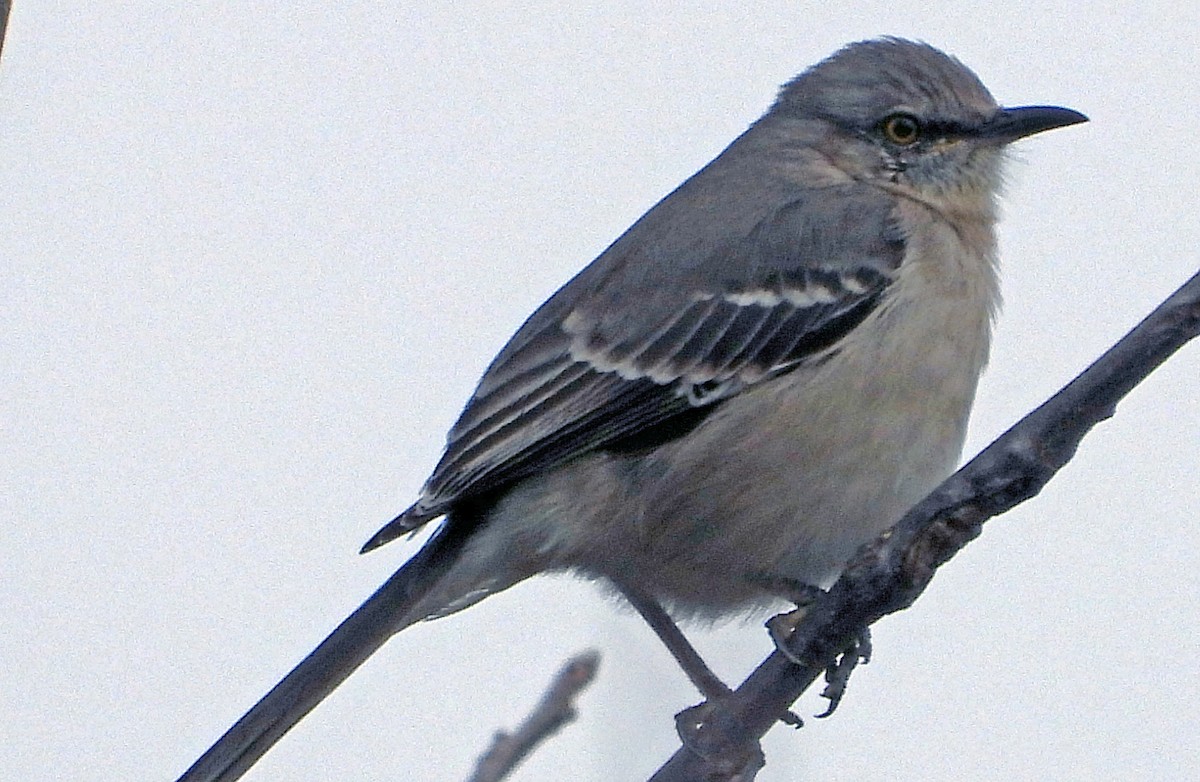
762 374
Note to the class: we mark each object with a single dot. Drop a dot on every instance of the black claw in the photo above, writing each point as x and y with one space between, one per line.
792 719
837 675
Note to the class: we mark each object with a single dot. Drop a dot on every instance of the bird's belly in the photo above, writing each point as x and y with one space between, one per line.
787 480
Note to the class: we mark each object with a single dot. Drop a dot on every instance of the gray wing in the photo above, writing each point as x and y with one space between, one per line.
634 343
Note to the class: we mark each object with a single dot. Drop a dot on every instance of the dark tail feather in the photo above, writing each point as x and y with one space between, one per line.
383 614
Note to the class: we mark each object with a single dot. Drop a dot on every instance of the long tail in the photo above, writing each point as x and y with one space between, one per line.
383 614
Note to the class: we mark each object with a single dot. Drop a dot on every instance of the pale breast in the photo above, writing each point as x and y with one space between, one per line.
790 478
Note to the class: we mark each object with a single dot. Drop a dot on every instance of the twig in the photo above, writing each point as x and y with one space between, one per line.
553 711
890 573
5 8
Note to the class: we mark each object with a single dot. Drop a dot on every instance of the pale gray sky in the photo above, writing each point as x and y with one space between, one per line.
256 256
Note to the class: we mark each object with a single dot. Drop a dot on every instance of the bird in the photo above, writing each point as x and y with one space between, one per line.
758 377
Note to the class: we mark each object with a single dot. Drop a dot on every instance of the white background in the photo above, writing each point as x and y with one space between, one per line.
256 255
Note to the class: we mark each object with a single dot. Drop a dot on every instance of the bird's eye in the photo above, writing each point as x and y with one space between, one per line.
902 129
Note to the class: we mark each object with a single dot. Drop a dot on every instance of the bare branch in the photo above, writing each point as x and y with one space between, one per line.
889 574
553 711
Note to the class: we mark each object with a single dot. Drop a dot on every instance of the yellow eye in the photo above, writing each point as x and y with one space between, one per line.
902 129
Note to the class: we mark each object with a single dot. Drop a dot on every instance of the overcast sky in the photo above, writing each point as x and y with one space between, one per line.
256 256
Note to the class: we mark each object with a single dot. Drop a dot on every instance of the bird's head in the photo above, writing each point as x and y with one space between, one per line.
907 117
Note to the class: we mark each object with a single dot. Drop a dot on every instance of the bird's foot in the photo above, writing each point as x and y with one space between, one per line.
837 675
782 626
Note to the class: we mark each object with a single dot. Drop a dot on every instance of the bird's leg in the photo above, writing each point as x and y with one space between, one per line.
781 626
711 687
740 761
688 721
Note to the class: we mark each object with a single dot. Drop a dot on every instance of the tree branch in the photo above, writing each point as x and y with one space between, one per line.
890 573
553 711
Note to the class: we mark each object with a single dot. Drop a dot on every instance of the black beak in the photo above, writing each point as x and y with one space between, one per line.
1011 124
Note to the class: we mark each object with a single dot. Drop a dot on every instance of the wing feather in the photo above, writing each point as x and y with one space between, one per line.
594 368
